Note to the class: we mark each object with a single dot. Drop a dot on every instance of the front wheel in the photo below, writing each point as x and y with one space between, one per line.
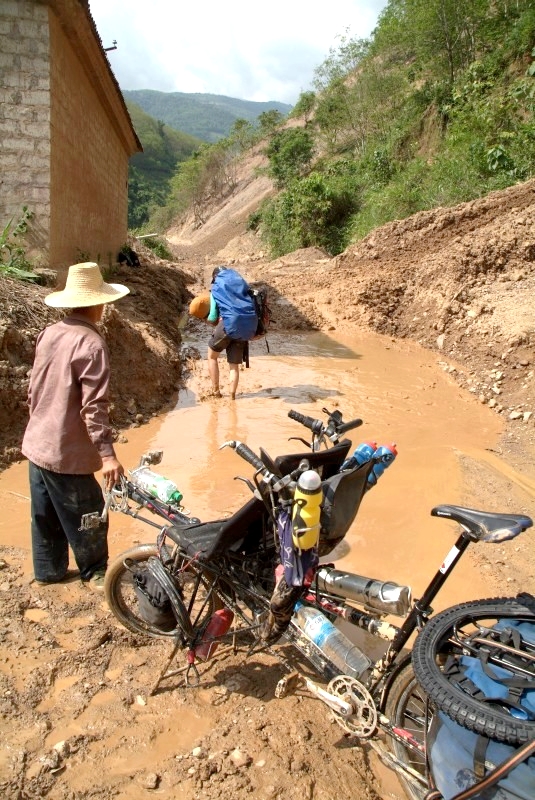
124 601
405 708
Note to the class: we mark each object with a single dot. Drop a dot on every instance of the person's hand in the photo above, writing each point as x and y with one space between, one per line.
111 472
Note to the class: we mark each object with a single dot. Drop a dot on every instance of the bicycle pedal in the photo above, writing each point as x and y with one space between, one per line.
287 685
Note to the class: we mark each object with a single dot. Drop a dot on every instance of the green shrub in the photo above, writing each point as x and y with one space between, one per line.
290 153
13 261
158 247
311 212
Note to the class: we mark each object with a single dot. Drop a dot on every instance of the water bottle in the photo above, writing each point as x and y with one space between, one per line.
362 453
306 510
218 624
157 486
387 454
335 645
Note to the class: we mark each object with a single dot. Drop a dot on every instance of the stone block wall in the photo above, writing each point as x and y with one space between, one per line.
25 118
88 163
65 134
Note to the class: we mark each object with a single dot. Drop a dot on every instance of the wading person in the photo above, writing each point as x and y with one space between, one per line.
230 308
68 437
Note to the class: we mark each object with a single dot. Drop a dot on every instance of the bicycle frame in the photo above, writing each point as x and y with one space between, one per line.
233 562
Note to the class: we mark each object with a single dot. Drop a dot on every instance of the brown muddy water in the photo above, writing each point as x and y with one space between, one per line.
403 394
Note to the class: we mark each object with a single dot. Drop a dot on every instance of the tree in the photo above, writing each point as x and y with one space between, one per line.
341 63
304 106
269 120
141 199
242 132
290 153
443 33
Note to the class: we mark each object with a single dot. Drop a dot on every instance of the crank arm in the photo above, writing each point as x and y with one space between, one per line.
335 703
294 681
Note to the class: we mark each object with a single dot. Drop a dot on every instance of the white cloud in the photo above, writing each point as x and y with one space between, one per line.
230 48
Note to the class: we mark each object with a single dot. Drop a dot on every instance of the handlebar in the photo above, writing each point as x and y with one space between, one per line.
349 426
248 455
315 425
335 426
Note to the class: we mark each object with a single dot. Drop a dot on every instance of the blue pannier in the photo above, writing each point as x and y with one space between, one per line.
459 758
455 766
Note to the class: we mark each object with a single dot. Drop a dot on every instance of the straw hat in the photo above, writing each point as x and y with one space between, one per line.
85 287
200 306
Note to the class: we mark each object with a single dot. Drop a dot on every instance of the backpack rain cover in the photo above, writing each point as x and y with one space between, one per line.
236 306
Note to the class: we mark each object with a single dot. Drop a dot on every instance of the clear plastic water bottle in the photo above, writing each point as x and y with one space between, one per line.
362 453
335 645
157 486
387 454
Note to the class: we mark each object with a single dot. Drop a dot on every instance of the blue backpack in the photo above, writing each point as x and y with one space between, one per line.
236 305
458 757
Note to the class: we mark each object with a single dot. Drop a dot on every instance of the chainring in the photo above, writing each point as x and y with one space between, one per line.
363 721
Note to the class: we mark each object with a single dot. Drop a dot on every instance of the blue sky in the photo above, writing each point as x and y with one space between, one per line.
231 48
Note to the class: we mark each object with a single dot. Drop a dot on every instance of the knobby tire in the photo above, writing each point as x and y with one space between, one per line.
433 644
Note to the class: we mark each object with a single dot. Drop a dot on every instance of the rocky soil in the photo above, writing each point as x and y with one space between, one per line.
76 713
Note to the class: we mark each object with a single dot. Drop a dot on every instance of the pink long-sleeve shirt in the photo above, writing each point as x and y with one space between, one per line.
69 429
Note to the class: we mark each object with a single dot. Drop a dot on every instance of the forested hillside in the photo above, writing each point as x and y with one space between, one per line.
436 108
150 171
208 117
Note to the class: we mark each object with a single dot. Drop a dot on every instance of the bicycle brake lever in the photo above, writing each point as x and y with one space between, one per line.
247 481
299 439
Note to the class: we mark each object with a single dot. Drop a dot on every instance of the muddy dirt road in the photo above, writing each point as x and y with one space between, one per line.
77 720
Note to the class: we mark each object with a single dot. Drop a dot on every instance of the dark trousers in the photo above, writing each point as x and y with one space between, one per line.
58 504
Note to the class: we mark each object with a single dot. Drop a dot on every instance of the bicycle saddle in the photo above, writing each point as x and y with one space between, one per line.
485 526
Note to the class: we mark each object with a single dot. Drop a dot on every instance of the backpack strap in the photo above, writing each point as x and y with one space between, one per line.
480 752
515 686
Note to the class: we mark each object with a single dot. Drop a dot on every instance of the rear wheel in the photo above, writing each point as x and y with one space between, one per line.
121 596
405 708
468 629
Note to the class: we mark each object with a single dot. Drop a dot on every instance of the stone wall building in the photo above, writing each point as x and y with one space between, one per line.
65 133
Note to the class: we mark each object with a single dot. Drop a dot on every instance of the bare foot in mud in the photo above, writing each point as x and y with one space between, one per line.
211 394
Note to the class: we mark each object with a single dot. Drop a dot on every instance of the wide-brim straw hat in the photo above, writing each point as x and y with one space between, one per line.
200 306
85 287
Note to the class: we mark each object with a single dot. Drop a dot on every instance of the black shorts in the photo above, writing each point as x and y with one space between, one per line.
219 341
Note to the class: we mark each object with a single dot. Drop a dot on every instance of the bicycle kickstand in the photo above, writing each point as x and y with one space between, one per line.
187 669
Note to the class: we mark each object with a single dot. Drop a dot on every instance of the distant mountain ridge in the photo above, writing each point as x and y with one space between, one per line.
208 117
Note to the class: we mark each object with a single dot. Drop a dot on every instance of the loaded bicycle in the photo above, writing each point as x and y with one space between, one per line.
202 584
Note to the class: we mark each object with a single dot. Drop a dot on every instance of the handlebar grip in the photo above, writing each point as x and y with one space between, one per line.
315 425
250 456
349 426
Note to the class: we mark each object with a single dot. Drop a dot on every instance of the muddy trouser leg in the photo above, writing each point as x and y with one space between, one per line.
281 608
58 504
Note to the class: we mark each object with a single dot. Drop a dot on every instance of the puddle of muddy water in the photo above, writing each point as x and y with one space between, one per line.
398 389
115 757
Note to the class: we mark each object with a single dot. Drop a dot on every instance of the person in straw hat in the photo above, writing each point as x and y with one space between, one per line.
68 436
